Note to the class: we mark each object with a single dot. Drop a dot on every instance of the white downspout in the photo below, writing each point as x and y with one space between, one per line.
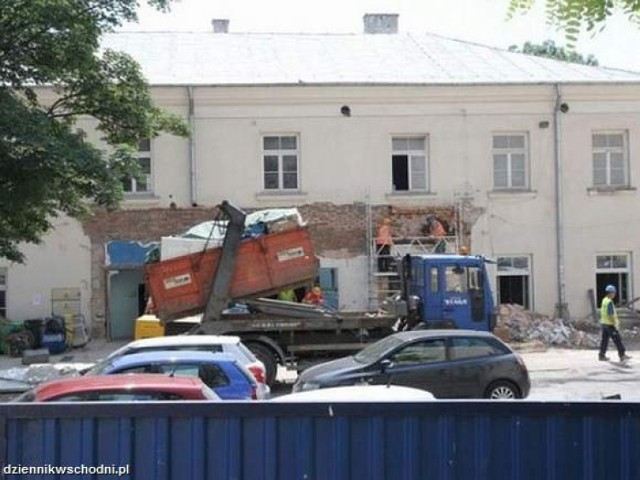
192 150
562 310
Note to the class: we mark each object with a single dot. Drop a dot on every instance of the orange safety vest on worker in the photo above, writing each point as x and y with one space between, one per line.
314 296
384 234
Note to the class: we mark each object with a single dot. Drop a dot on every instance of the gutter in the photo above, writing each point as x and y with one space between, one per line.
193 188
562 310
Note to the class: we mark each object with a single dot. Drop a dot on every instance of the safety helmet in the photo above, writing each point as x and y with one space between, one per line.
610 289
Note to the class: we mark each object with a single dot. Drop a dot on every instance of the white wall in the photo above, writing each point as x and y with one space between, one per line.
352 281
63 260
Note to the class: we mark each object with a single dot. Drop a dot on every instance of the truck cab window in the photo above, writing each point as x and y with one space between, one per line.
433 279
455 279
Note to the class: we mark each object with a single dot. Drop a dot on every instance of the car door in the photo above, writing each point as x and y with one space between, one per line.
422 364
472 362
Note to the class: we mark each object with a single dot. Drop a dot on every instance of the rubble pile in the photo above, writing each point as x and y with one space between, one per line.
517 325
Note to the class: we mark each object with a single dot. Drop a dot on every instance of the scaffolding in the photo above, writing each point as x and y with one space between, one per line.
385 282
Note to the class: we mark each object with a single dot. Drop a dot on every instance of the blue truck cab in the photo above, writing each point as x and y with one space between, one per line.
448 291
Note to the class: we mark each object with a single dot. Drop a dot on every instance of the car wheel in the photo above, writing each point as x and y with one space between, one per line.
268 358
502 390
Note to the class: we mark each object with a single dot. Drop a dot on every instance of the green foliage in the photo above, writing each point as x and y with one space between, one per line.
572 16
45 166
549 49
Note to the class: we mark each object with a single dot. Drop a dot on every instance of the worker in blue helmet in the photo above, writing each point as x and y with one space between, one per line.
610 324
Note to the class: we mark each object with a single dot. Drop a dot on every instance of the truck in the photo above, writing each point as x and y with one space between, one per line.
437 291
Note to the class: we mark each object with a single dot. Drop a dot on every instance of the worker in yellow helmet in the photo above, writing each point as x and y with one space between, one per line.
610 323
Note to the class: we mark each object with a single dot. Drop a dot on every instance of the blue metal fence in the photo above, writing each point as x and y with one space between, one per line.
438 440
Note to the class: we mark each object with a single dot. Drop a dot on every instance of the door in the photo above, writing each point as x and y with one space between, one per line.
329 284
431 295
421 364
456 307
473 366
464 297
125 305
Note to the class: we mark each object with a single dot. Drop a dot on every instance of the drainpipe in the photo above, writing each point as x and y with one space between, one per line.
192 150
562 310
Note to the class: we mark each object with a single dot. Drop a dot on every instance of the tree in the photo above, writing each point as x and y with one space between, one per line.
549 49
46 167
572 16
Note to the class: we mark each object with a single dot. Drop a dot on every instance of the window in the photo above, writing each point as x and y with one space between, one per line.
421 352
613 269
472 348
409 164
141 184
417 274
510 161
117 396
514 280
213 376
3 292
433 279
280 157
140 369
455 278
198 348
180 370
609 160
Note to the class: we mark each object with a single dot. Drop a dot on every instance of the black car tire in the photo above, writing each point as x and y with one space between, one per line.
502 390
268 358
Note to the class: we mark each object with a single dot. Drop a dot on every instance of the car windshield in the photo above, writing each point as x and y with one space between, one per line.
374 351
99 368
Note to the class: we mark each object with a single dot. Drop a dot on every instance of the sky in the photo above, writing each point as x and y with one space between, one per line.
478 21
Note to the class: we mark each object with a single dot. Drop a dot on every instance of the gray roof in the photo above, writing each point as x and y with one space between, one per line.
203 58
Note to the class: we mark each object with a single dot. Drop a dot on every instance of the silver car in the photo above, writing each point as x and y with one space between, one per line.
228 344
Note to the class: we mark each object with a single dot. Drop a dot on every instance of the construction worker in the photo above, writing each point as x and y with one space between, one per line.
384 241
610 323
437 232
287 295
314 296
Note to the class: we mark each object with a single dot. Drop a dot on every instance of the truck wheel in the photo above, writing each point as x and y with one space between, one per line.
268 358
502 390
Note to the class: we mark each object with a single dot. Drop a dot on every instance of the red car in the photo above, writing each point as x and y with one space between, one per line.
120 388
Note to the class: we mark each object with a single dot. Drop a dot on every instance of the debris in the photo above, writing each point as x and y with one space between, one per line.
515 324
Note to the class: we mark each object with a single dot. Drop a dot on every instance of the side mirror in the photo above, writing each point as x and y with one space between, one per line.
385 364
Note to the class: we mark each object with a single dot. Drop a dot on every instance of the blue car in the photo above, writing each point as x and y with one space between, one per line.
223 374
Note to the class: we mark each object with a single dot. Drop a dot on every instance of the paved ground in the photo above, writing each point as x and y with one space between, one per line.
556 374
578 375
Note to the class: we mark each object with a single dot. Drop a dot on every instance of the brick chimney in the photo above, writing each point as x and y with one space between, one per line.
220 25
380 23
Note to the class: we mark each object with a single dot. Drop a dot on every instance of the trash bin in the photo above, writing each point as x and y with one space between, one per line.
53 335
34 325
8 327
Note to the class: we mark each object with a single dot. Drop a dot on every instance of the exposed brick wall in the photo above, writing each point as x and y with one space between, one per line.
337 231
144 225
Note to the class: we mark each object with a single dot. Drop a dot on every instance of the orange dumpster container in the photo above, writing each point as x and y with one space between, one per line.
265 265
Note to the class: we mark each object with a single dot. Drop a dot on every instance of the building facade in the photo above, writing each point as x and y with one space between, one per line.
534 162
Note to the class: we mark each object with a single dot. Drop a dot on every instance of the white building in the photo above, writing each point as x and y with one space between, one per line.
538 158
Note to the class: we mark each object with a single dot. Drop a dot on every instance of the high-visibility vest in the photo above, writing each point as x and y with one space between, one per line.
605 318
384 236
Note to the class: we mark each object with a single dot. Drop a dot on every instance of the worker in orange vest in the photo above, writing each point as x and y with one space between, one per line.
384 241
314 296
437 232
